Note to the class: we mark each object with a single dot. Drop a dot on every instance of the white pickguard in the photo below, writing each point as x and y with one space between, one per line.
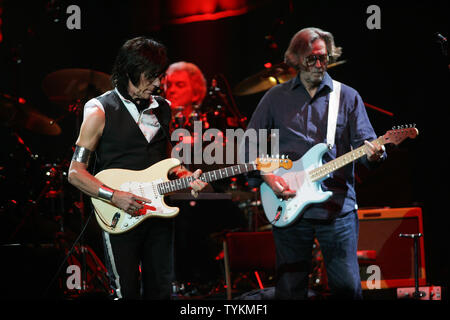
305 191
281 212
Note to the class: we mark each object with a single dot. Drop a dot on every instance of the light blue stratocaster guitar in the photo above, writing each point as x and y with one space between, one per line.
308 172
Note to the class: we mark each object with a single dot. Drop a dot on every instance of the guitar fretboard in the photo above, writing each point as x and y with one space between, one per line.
184 183
329 167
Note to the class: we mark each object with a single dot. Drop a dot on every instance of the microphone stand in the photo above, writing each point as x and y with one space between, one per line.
444 45
415 236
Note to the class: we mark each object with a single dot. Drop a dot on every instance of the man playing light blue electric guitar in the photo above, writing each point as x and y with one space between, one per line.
319 120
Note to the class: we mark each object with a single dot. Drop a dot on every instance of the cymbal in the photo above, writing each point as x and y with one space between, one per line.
264 79
268 78
17 112
67 86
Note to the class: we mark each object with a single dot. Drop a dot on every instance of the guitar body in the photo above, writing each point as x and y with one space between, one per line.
139 182
308 172
282 213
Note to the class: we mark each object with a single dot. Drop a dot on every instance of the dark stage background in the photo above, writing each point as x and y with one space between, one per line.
400 68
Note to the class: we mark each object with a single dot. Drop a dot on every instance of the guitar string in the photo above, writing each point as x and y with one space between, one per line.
174 185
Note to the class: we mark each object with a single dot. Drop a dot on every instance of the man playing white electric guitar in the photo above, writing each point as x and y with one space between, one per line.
128 129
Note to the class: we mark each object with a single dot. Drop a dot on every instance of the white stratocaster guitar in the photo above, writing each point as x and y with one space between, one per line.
308 172
153 183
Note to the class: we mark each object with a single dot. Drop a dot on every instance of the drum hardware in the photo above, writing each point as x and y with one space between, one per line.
195 115
55 176
66 86
179 119
220 106
53 192
80 254
18 113
71 89
25 147
94 273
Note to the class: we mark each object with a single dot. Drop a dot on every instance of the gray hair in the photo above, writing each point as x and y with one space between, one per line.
196 77
301 44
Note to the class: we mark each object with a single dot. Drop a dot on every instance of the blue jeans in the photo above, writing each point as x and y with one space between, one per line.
338 241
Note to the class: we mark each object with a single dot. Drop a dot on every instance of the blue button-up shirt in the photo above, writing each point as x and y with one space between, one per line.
302 123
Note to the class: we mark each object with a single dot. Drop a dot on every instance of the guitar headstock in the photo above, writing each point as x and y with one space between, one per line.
269 164
400 133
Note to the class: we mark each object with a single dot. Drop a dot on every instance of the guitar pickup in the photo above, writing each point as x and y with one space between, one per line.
115 220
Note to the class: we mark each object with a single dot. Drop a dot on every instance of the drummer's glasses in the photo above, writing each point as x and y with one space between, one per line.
311 60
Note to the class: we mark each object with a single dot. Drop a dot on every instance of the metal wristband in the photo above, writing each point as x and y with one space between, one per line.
81 154
105 193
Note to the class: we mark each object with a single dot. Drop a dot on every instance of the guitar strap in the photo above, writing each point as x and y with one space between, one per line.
333 108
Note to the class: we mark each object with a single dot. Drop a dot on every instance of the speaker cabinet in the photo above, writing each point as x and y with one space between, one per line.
390 255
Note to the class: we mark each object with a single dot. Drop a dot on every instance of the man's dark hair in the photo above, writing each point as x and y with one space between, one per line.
138 55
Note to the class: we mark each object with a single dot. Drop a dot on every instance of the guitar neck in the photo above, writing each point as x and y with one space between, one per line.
329 167
184 183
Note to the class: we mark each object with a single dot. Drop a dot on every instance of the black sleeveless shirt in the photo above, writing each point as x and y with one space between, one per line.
122 144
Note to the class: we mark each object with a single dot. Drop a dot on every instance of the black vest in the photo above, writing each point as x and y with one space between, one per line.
122 144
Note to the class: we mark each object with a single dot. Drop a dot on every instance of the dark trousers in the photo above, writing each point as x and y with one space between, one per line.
338 241
149 248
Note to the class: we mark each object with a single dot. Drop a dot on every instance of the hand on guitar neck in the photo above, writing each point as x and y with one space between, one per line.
374 150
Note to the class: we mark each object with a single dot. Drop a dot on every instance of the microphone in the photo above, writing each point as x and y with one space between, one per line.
440 37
